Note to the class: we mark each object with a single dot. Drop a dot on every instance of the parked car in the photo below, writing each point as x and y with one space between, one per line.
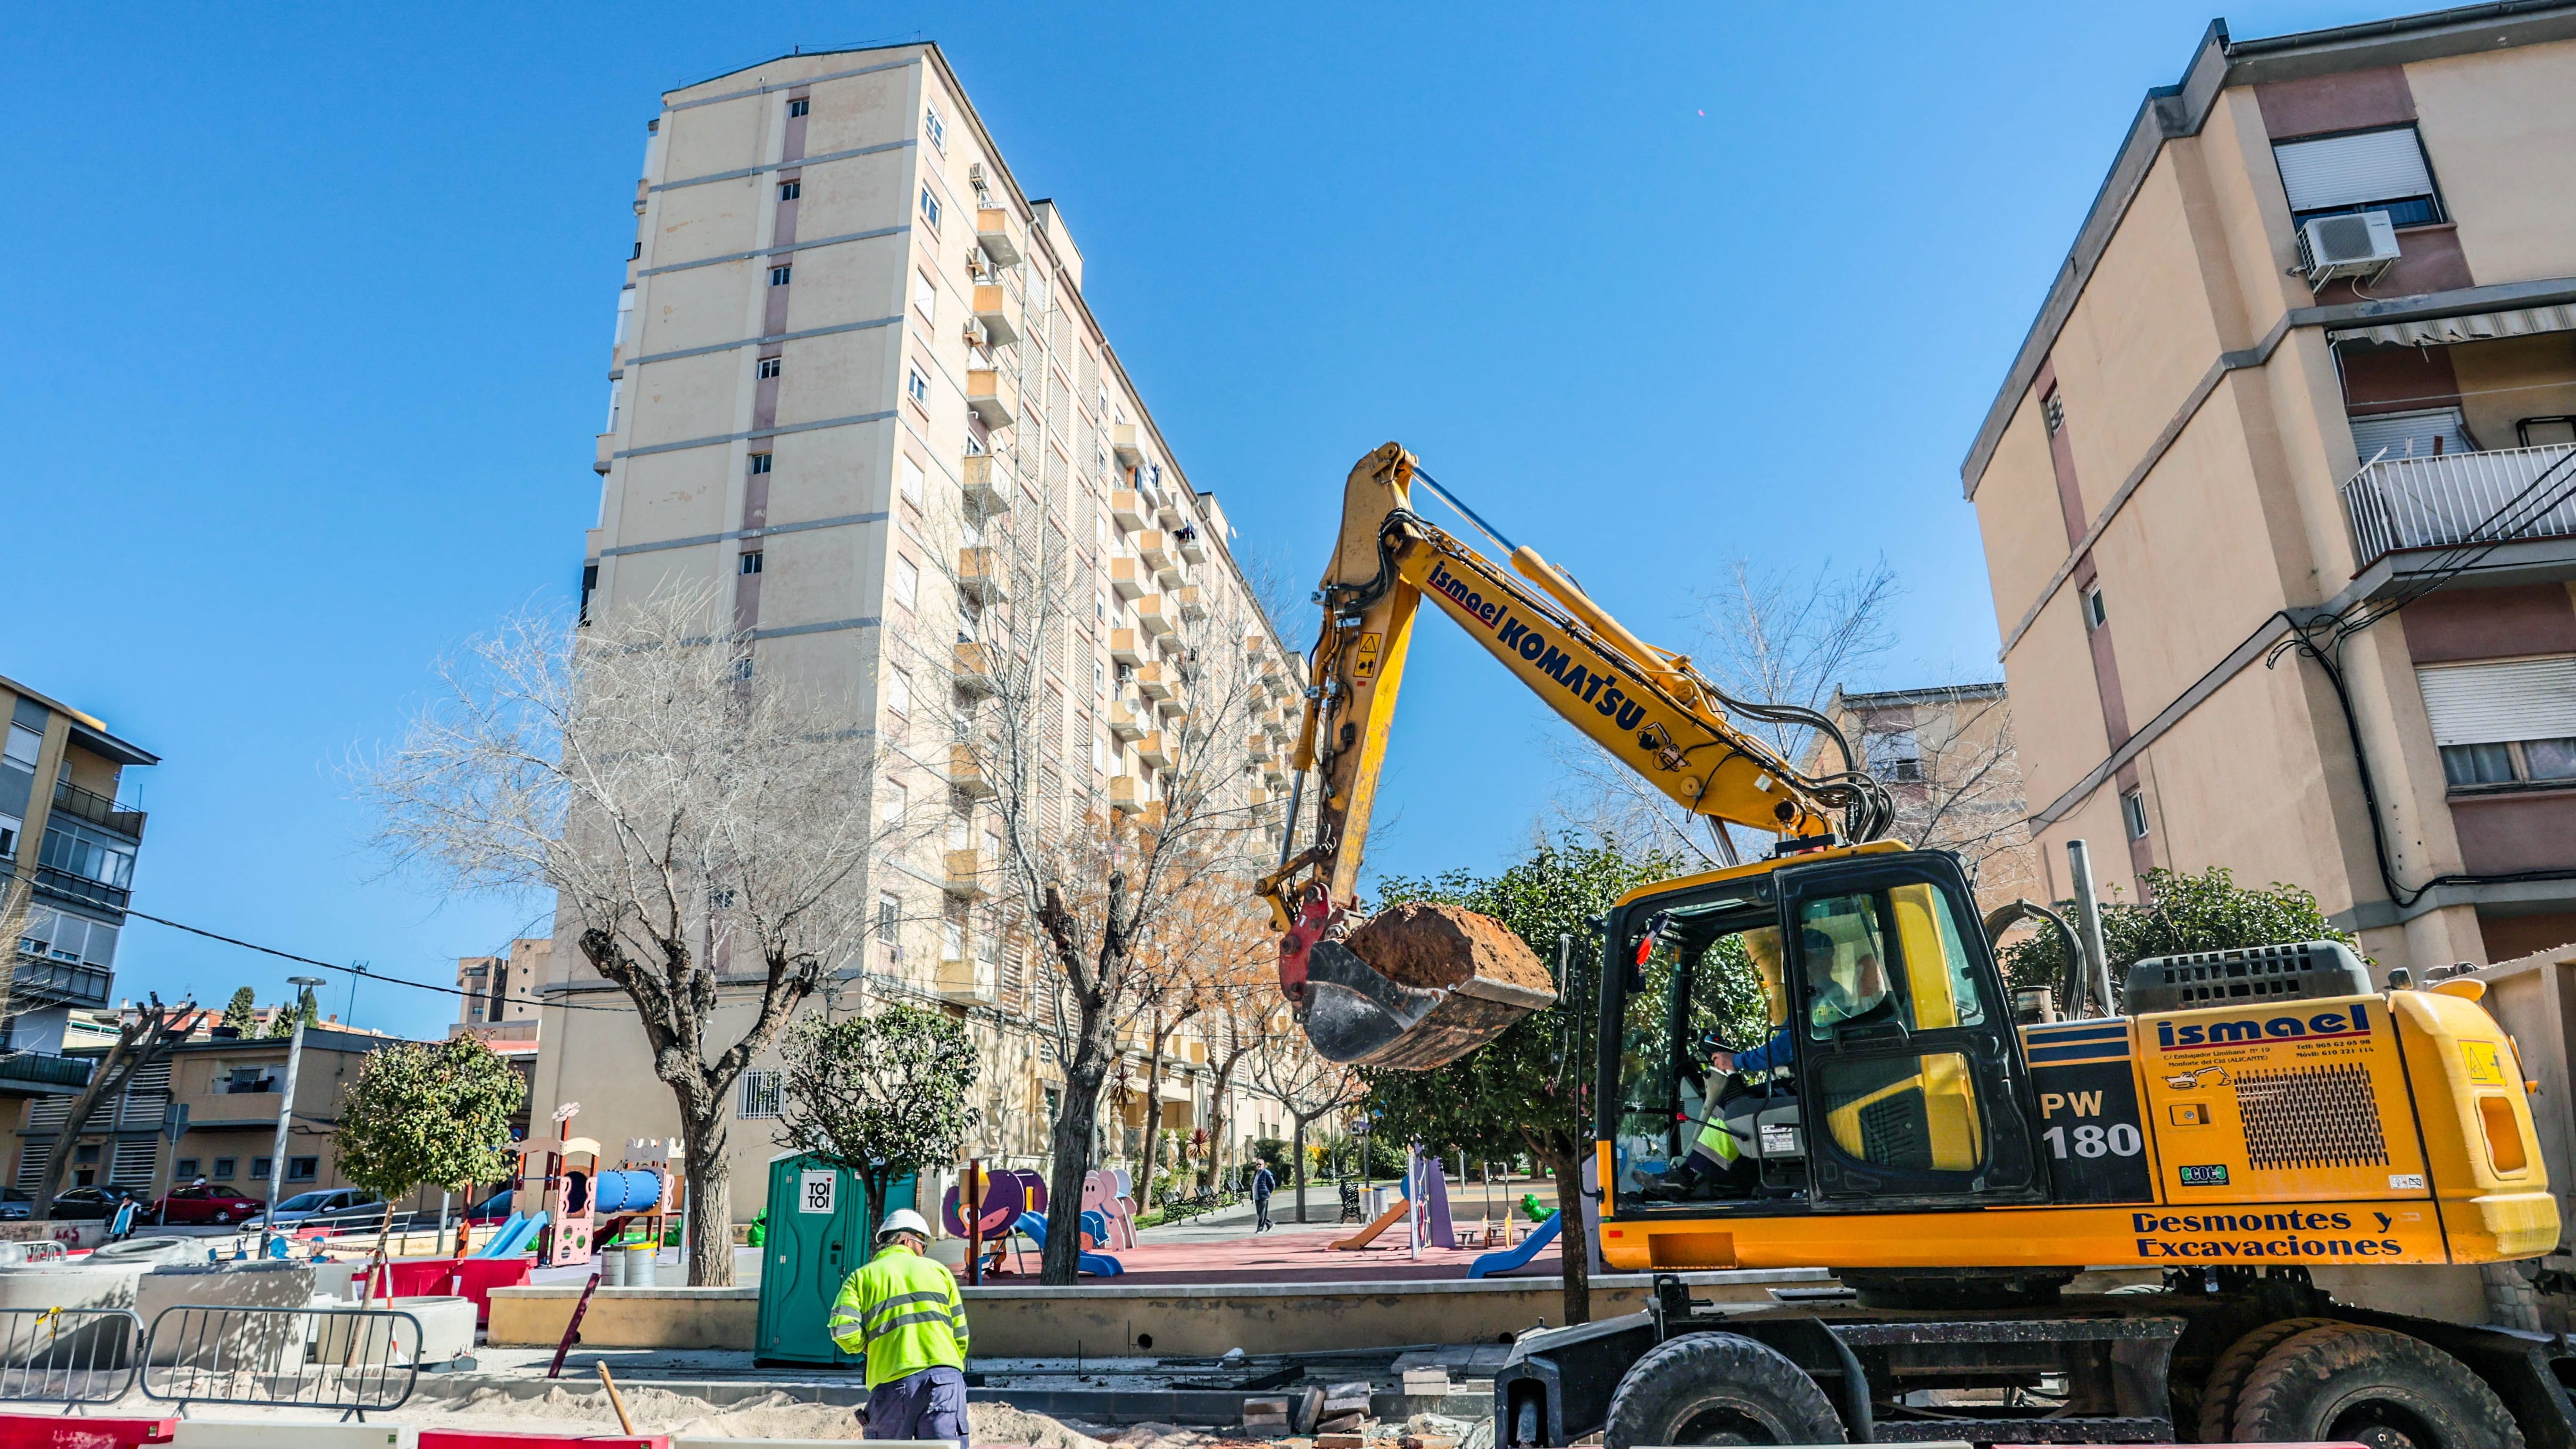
94 1202
331 1209
204 1204
15 1206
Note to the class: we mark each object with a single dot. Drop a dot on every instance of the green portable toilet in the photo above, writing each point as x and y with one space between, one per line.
818 1235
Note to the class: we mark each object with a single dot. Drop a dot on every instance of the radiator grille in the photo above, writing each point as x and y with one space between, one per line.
2322 1116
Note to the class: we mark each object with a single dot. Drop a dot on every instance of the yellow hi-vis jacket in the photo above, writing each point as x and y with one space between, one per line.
905 1310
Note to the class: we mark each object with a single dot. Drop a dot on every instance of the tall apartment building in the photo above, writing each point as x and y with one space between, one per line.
2313 358
67 848
847 344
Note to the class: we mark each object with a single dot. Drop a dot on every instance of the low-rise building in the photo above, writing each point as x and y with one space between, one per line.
1947 755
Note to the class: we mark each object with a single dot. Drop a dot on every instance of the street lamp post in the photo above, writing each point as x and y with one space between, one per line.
285 1113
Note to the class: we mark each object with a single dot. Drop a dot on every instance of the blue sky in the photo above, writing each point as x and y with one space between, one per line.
307 310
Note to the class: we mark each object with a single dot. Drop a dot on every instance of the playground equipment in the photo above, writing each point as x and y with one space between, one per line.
642 1193
1104 1195
1433 1227
1507 1259
1034 1228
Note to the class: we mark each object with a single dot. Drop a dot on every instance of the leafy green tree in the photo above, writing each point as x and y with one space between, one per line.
882 1095
421 1113
1525 1090
304 1009
242 1012
2181 913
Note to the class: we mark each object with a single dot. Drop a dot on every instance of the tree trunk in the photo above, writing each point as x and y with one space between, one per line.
1153 1117
132 1051
1297 1149
1573 1241
710 1200
1071 1141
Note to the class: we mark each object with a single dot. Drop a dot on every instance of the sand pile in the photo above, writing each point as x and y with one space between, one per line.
770 1416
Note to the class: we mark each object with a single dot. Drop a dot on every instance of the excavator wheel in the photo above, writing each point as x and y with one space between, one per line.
2370 1386
2226 1381
1718 1388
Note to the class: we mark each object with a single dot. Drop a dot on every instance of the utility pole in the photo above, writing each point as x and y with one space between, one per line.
285 1114
2096 975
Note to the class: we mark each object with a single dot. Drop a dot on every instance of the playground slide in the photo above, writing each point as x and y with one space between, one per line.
513 1238
1505 1260
1394 1214
1097 1264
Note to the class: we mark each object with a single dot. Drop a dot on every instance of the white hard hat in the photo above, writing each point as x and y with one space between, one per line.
903 1220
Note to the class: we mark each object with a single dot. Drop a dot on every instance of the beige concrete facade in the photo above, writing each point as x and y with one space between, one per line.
847 342
2198 450
1949 756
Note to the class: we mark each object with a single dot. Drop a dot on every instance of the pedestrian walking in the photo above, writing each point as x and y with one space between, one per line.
1262 1185
903 1311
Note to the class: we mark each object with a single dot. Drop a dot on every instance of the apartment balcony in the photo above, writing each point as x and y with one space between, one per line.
1127 719
1155 750
1126 647
1168 513
1274 771
1128 507
998 233
2453 498
963 876
1123 441
1153 681
1257 796
41 1074
979 575
1257 747
1127 795
80 889
1192 602
965 775
1170 576
1155 547
1130 578
42 980
99 809
1193 545
1170 646
1154 615
994 394
603 452
987 488
1173 708
976 670
998 312
969 983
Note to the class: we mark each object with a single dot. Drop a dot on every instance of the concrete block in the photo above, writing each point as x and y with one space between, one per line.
291 1434
272 1341
445 1332
58 1286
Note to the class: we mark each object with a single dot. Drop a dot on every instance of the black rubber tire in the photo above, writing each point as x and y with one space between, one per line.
2373 1387
1718 1388
2226 1381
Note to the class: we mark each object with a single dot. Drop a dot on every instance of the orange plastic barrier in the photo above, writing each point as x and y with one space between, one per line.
51 1431
1385 1220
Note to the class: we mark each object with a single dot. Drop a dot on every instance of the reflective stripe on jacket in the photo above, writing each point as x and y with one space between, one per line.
904 1312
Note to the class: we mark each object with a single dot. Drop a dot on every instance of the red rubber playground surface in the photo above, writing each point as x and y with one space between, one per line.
1288 1254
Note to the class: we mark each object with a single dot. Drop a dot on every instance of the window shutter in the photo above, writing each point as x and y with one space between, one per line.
2412 435
131 1165
2486 704
2349 170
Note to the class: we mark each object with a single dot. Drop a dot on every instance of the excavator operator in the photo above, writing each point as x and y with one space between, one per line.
1829 1001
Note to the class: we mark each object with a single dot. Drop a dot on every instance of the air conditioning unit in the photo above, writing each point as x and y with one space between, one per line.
2357 244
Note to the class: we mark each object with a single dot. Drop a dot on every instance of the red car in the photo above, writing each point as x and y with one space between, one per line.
205 1205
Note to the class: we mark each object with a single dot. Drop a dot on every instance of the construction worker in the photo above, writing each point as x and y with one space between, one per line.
903 1312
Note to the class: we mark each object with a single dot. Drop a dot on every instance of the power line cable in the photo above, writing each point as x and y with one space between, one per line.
355 970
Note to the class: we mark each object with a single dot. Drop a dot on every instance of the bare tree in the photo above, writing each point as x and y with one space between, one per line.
1948 759
1309 1087
141 1040
1089 875
1769 637
705 831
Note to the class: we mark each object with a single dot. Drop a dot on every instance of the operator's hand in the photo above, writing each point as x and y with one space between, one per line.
1721 1059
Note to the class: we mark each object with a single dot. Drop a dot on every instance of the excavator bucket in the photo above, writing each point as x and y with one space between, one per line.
1419 986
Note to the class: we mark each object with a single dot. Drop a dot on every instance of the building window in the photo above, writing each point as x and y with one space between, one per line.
2096 614
898 691
797 108
760 462
891 805
751 562
185 1167
909 478
771 366
2133 813
907 581
259 1167
303 1169
760 1094
790 190
2364 171
916 386
952 940
2503 723
936 129
224 1168
778 275
2416 433
889 917
929 207
2052 409
925 297
1894 756
85 1154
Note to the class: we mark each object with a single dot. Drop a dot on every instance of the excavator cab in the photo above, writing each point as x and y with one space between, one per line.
1877 1065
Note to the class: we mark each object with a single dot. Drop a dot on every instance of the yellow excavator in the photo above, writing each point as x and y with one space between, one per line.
2283 1167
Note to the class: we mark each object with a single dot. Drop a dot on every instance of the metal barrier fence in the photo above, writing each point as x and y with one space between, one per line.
66 1355
355 1360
